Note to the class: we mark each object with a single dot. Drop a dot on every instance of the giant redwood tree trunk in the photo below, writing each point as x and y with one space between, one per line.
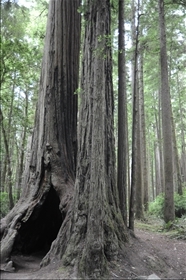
49 176
90 231
97 230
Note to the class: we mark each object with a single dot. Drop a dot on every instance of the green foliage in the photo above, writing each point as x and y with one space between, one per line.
180 2
176 229
4 202
156 207
168 225
21 41
180 204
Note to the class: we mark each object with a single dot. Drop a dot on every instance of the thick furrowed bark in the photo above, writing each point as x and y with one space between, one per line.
50 170
97 230
27 207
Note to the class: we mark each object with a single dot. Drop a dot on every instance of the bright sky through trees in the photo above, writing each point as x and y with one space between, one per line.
25 3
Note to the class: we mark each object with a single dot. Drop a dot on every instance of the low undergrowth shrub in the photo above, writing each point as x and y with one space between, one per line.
157 206
4 203
180 204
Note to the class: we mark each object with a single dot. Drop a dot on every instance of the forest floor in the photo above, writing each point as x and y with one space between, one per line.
153 250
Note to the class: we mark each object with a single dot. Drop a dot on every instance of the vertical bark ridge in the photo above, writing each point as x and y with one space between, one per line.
52 161
97 228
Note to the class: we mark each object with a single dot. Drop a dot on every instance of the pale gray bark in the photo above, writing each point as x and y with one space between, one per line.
176 167
157 169
22 148
136 170
182 163
144 163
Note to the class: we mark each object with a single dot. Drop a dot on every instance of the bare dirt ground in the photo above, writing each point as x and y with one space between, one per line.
149 252
153 253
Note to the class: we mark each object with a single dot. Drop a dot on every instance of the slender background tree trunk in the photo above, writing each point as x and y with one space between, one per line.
169 213
122 117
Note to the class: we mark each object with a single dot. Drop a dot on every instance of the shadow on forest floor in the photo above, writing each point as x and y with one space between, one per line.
154 250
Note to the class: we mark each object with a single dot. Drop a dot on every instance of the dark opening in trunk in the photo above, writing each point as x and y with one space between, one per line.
41 229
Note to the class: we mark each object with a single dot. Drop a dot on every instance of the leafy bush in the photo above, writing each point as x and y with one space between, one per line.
157 206
4 202
180 204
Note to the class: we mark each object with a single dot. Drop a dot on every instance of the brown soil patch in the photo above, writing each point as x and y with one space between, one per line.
146 254
150 253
